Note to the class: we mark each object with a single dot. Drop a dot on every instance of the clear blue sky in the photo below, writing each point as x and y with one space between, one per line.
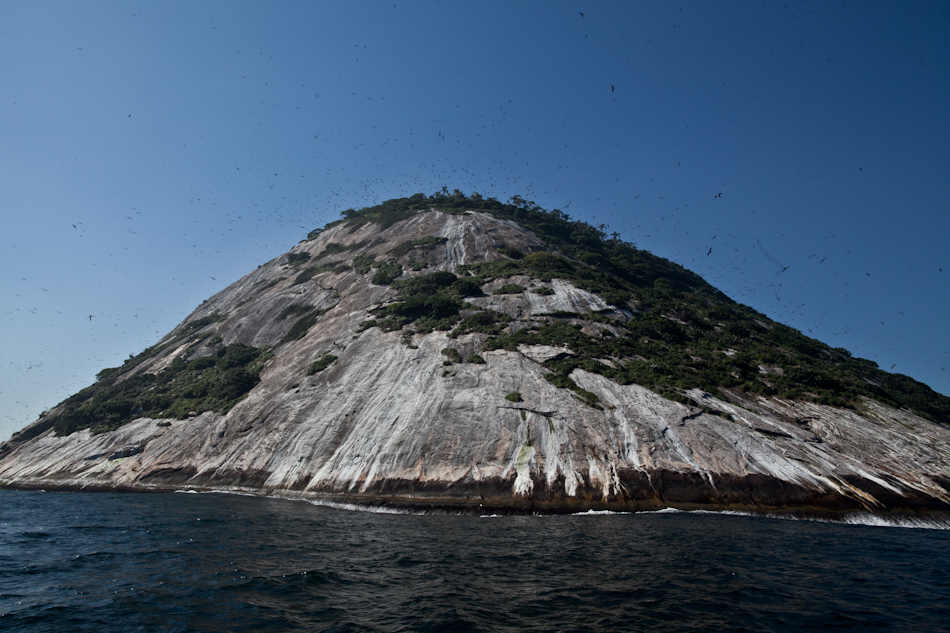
153 152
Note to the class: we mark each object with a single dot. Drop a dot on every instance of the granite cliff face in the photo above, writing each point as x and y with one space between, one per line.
351 405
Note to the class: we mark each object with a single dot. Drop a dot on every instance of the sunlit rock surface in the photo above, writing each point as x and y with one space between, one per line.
388 422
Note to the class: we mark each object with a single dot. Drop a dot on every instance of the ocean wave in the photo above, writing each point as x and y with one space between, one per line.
875 520
356 507
857 518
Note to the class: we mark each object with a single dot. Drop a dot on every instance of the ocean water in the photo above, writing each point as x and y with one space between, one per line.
217 562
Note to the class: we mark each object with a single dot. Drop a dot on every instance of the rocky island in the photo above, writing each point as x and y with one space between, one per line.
460 353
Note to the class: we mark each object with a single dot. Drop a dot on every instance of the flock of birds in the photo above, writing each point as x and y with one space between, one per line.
257 207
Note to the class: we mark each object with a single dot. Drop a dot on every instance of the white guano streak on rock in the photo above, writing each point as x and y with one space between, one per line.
386 412
566 298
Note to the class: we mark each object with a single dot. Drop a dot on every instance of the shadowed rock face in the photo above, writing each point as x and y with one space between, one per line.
388 422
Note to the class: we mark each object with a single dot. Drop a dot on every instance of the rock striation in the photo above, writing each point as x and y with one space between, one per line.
351 406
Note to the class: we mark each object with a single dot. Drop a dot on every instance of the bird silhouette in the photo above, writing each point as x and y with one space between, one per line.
582 15
611 89
718 195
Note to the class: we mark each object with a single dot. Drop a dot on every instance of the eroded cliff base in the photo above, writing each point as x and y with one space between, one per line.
656 491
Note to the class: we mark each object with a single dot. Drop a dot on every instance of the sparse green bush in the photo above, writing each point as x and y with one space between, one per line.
297 258
363 263
294 309
486 322
475 359
300 328
270 283
514 396
311 271
386 273
543 290
509 289
197 324
333 248
423 244
513 253
467 287
320 364
453 355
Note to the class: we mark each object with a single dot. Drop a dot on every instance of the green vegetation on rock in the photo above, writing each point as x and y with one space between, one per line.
208 383
363 263
513 253
311 271
509 289
386 273
423 244
320 364
332 248
300 327
294 309
297 258
452 355
485 322
428 301
676 331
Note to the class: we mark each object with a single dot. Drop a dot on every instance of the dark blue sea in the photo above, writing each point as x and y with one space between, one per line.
217 562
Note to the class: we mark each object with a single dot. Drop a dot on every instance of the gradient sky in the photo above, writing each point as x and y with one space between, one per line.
154 152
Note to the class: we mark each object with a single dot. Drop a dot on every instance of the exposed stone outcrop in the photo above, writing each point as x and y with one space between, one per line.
389 422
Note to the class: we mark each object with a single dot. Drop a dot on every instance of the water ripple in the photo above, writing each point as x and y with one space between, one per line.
211 562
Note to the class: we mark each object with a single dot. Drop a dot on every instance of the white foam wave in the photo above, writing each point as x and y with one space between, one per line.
874 520
858 518
356 507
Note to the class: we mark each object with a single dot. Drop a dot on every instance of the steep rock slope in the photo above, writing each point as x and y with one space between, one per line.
356 367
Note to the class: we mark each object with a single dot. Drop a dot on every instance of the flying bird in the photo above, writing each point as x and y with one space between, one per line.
718 195
710 252
611 88
582 15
